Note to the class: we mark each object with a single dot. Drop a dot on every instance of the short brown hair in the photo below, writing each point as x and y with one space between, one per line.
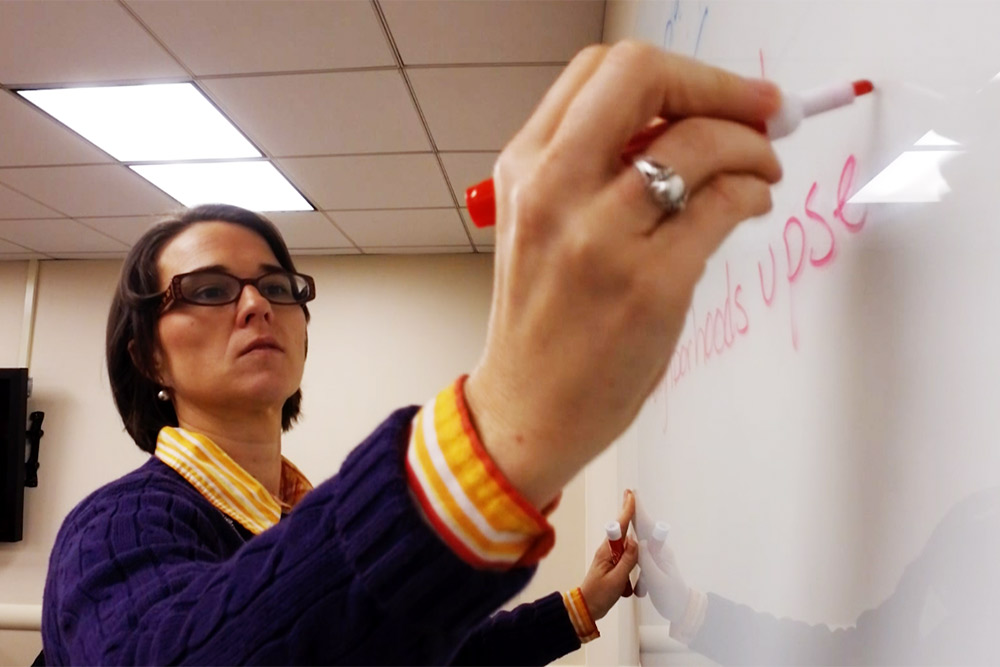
135 312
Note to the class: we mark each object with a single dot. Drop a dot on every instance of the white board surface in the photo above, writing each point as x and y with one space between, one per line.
836 390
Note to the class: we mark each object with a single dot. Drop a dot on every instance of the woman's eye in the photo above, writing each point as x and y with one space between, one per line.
276 289
210 292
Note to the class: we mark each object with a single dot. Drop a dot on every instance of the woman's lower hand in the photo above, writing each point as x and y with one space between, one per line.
605 580
592 283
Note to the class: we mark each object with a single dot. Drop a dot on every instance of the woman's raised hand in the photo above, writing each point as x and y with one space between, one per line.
592 282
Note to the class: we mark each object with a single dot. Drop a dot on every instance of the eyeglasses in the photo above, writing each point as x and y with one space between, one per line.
218 288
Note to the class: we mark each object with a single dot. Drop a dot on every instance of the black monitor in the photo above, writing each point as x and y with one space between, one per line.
13 421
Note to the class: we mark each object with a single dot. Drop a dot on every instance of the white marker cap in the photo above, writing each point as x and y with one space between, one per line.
660 531
614 530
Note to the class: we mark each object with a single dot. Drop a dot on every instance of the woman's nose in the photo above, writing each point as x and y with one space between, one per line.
251 304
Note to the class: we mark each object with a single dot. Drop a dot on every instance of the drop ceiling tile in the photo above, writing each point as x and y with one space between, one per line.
481 236
419 227
495 31
466 169
89 191
14 205
64 41
323 252
308 229
9 249
270 36
126 229
20 257
369 181
419 250
479 108
57 235
120 254
323 114
31 137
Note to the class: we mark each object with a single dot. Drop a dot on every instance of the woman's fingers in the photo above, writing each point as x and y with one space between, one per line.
637 82
549 113
697 149
590 293
627 511
711 214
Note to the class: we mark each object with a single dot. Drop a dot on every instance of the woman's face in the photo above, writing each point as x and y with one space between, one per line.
242 357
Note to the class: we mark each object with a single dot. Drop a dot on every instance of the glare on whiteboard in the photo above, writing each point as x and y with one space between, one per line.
915 176
932 138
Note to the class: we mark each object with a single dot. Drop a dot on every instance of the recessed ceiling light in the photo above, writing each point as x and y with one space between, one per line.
255 184
146 123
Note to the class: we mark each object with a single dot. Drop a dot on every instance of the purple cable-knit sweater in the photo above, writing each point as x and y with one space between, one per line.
146 571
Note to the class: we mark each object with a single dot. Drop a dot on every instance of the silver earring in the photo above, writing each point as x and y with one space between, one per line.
163 395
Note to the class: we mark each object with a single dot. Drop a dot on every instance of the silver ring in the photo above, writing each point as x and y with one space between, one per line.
663 184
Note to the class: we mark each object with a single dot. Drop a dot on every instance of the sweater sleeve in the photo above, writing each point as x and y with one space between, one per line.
535 633
353 575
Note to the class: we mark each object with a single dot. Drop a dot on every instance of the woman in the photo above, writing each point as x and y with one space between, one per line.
439 516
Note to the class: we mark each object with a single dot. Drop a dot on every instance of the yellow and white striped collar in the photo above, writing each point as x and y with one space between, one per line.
225 484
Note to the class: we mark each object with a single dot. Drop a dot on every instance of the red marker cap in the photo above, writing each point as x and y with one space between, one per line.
481 202
613 529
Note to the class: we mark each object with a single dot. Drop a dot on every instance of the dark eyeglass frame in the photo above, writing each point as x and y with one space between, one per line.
174 294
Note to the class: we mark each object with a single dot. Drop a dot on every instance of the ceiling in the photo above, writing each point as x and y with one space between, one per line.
381 112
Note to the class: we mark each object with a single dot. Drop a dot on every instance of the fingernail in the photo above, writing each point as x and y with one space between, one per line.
767 91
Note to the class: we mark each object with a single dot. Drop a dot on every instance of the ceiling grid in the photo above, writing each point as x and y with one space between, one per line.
380 112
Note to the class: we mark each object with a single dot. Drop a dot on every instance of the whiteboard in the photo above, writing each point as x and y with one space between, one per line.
836 390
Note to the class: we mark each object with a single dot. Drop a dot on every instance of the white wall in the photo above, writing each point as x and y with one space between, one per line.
15 647
12 279
386 331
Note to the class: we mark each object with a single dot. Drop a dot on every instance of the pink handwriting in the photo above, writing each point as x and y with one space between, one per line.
797 240
722 326
815 240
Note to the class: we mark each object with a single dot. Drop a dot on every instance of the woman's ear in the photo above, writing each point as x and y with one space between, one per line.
132 354
157 374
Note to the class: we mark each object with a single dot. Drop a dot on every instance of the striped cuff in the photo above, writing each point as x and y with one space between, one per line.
471 505
687 628
576 607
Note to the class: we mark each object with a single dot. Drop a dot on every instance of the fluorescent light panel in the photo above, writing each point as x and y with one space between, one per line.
146 123
169 123
255 185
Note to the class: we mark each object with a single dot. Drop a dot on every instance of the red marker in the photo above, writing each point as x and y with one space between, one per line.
480 198
617 543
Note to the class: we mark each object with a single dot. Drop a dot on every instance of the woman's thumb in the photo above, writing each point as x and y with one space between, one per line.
630 556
